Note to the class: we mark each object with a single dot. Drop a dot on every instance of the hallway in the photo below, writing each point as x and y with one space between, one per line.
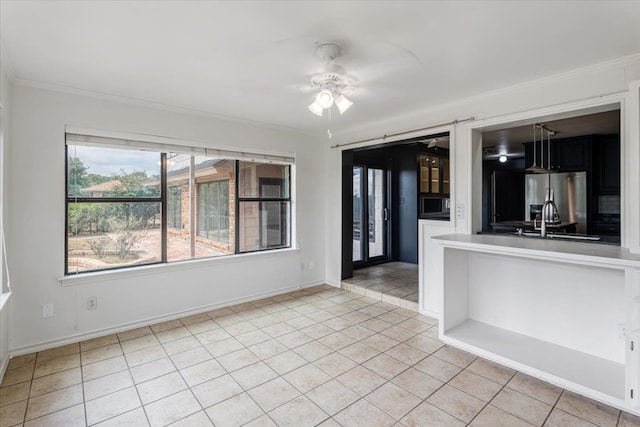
394 283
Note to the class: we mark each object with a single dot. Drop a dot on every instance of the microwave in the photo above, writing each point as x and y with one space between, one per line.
434 206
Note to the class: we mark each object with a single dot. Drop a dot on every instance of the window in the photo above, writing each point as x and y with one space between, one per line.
128 204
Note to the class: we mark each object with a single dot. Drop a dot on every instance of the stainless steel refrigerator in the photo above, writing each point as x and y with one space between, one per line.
569 195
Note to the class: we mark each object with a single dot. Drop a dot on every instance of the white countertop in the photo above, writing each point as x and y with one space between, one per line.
550 249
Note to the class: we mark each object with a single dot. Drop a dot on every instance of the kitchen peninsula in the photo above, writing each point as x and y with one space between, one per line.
565 312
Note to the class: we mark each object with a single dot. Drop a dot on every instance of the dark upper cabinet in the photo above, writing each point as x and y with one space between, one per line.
564 155
607 164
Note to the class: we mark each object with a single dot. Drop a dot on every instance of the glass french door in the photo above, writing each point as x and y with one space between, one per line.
370 215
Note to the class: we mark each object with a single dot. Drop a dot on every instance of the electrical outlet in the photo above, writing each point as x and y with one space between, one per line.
92 303
622 331
47 310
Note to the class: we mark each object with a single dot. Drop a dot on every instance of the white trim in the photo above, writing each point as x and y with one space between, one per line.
161 268
71 339
94 137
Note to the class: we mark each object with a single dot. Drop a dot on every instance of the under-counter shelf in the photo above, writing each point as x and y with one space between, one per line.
551 362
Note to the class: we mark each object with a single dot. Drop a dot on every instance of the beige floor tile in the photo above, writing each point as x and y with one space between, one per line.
393 400
285 362
22 361
475 385
134 333
491 371
457 403
294 339
211 336
11 415
100 353
254 337
204 326
535 388
319 316
335 364
58 352
363 413
107 384
559 418
424 343
491 416
330 422
235 411
99 342
161 387
216 390
357 332
240 328
14 393
301 322
52 366
237 360
385 366
418 383
105 367
299 412
151 370
146 355
199 419
181 345
628 420
361 380
134 418
264 321
202 372
172 408
397 333
253 375
196 318
406 354
376 325
428 415
68 417
522 406
190 357
274 393
220 312
139 343
313 350
164 326
588 409
336 340
172 334
306 377
359 352
54 401
332 397
111 405
438 368
224 346
18 375
414 325
267 349
380 342
454 356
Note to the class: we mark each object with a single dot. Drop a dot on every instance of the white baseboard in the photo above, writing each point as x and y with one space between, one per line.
70 339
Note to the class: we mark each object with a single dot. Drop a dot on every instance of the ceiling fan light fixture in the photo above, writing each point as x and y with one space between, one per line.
342 103
324 99
316 109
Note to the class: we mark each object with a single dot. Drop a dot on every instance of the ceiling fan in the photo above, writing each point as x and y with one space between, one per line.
332 83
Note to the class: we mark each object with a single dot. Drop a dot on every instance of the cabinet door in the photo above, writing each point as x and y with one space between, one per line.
608 164
571 154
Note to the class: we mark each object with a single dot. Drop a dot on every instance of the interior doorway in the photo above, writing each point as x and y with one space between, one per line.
370 215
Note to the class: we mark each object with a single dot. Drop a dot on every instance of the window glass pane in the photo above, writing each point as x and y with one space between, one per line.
109 235
263 180
111 172
264 225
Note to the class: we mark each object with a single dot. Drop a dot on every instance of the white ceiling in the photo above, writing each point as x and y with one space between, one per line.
248 60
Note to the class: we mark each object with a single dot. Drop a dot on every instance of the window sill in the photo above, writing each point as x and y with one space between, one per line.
128 272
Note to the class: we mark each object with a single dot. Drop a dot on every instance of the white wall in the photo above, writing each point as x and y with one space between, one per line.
586 83
6 307
35 234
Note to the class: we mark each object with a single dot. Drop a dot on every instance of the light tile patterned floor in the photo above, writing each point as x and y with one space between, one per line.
320 356
394 282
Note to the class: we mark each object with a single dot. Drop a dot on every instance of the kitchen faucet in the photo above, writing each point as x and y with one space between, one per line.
543 222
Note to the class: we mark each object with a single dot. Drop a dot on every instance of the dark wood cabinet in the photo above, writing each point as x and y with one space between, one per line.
563 155
607 164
